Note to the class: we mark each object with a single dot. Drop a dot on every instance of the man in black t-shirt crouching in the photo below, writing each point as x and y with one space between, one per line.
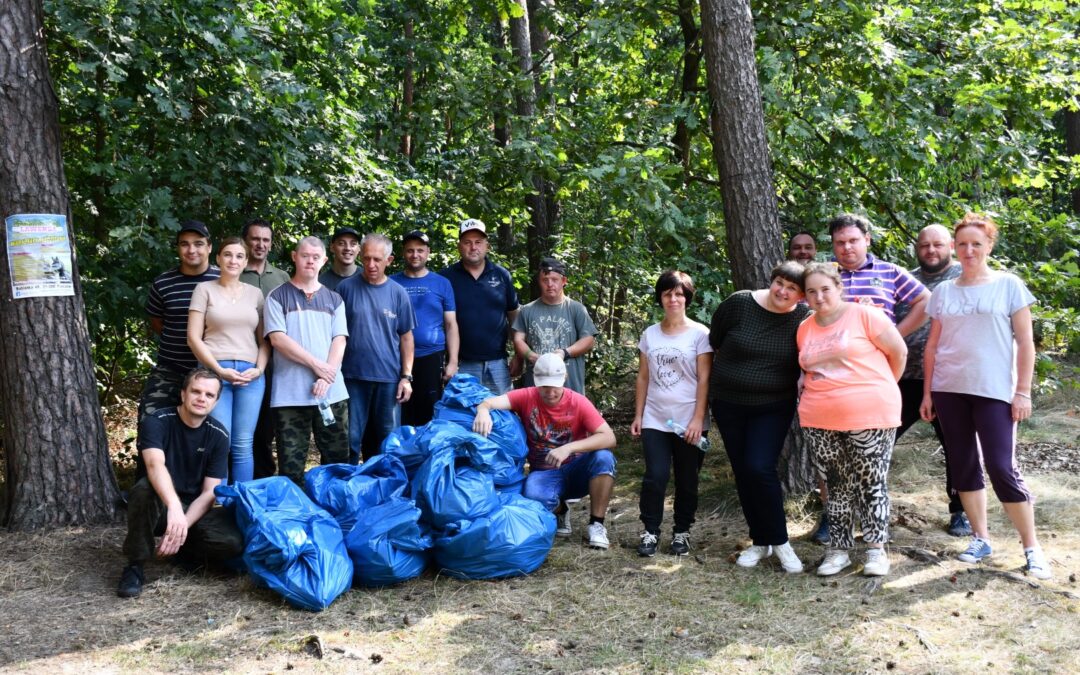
183 456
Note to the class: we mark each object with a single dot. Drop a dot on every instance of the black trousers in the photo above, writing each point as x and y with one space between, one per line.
427 388
214 537
911 393
663 450
262 443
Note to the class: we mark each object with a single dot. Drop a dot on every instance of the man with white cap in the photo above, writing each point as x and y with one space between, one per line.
487 305
568 441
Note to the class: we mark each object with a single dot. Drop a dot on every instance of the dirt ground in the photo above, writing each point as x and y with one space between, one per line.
591 611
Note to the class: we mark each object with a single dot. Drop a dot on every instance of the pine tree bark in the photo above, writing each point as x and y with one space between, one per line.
740 146
57 456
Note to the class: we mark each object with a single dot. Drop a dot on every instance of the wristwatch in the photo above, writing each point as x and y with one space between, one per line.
407 378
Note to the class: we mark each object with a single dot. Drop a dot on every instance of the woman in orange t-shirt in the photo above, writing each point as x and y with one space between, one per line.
851 356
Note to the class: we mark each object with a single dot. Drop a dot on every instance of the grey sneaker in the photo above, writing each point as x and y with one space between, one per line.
562 528
789 560
877 563
835 560
1037 565
959 525
598 536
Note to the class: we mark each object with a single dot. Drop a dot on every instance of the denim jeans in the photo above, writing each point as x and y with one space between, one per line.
494 374
238 410
374 405
569 481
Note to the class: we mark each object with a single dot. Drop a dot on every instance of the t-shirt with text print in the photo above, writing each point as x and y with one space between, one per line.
673 374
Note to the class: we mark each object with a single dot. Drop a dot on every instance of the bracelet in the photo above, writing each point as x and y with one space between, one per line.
566 354
1020 393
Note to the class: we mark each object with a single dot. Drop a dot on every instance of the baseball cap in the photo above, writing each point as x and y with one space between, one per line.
470 224
342 231
419 236
193 226
549 371
552 265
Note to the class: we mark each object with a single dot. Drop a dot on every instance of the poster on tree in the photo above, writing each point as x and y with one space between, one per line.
39 255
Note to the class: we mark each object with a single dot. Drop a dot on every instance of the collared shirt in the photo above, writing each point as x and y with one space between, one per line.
482 305
881 284
271 278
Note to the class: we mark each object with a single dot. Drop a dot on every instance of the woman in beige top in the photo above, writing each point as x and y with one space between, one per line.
225 334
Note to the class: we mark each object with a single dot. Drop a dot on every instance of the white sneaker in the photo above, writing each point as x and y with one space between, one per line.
753 555
789 560
877 563
562 527
835 560
1037 565
598 536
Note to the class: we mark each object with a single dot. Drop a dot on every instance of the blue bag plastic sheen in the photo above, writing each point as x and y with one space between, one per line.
388 544
447 489
291 545
504 459
346 491
512 540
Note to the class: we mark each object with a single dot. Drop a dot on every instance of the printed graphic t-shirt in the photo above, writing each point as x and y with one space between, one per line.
548 428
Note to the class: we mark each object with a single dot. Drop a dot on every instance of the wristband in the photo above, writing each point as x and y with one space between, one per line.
1020 393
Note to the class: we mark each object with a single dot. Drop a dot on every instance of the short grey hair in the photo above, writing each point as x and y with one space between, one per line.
314 242
378 238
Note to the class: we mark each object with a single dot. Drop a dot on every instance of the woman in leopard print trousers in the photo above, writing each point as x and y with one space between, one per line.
851 356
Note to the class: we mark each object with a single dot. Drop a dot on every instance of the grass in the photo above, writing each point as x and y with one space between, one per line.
585 611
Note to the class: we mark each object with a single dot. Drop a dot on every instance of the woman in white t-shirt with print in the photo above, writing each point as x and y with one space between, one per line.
672 384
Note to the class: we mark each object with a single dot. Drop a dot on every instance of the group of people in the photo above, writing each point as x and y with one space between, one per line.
846 345
249 356
346 354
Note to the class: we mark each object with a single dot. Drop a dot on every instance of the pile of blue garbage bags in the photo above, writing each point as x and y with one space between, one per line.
439 495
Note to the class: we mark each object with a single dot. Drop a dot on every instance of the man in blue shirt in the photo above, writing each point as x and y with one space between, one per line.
379 352
487 305
436 333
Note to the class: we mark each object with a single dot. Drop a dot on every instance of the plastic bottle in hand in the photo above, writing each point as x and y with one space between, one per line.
703 442
328 419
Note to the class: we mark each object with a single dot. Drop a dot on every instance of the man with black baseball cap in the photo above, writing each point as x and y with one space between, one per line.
487 305
553 323
345 246
435 336
167 305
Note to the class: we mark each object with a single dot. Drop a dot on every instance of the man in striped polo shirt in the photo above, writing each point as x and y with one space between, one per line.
871 281
170 296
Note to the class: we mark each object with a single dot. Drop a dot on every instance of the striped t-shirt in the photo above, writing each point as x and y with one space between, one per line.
170 298
880 284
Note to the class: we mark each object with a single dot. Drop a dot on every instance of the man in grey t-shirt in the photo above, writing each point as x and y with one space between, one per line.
554 323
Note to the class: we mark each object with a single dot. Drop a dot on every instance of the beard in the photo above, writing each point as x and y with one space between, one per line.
935 269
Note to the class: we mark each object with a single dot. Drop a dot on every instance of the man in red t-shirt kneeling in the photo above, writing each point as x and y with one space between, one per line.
568 441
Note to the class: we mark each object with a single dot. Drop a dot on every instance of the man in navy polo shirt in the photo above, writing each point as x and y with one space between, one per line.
487 305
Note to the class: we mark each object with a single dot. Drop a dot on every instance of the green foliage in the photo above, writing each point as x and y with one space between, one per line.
912 112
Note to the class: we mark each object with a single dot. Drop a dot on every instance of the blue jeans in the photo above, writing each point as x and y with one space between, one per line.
373 408
494 374
238 411
569 481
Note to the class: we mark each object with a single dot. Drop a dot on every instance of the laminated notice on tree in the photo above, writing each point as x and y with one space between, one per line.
39 255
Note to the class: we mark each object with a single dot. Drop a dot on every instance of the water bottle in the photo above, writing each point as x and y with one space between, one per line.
703 442
327 414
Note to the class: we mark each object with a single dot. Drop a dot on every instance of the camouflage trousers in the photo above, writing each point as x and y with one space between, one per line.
214 537
294 427
162 390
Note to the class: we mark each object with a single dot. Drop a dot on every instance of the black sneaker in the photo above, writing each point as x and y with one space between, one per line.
959 525
647 547
680 543
131 581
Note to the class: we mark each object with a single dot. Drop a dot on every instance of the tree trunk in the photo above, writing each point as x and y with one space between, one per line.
407 89
797 475
691 70
1072 147
536 201
540 12
740 147
57 455
500 121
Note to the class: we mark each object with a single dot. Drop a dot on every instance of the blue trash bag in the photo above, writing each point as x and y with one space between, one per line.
458 405
345 491
447 489
404 443
291 545
388 545
511 541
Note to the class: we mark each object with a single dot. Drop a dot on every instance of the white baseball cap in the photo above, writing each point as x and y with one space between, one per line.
549 371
